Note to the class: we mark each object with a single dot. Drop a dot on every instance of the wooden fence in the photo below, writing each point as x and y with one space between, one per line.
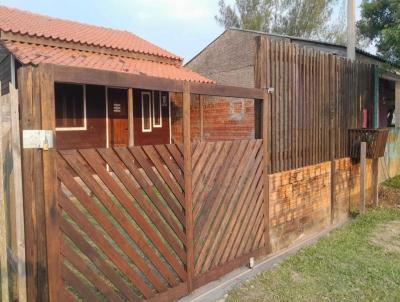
122 218
12 242
154 223
317 97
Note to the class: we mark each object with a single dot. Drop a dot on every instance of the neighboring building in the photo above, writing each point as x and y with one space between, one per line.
230 59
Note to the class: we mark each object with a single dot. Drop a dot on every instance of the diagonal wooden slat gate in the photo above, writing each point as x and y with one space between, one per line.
227 205
122 218
122 223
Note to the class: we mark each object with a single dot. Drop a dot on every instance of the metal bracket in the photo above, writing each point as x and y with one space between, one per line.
37 139
271 90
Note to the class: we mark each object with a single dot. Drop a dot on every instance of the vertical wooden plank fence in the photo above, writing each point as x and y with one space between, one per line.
314 94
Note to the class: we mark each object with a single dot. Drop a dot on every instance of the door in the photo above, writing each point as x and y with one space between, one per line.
151 117
118 117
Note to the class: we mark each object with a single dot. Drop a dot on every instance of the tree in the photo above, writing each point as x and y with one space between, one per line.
380 23
300 18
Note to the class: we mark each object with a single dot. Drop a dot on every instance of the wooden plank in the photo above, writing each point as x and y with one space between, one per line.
93 277
5 295
69 74
32 174
187 160
103 220
266 168
127 158
18 194
93 159
104 245
332 128
104 266
130 117
120 171
50 183
70 278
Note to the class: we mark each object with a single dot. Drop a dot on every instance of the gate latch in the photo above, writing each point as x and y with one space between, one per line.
37 139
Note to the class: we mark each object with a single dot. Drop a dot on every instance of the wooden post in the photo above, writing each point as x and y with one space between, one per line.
363 154
50 184
36 94
18 196
332 133
3 219
130 117
187 156
375 181
266 168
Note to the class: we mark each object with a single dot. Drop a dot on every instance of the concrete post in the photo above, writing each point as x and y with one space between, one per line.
351 29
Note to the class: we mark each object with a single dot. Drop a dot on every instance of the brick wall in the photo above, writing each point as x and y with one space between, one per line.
300 200
223 118
299 203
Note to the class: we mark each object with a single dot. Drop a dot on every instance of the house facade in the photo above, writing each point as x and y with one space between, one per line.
97 116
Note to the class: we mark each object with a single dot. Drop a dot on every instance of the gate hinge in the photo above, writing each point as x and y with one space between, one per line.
38 139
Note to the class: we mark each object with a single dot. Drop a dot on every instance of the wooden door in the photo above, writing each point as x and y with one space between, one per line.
151 117
118 117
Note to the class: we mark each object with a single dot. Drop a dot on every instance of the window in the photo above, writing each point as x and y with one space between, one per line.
157 112
146 112
70 103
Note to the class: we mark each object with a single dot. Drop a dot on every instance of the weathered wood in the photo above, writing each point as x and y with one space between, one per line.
187 162
18 194
266 169
118 79
50 185
5 294
33 189
363 152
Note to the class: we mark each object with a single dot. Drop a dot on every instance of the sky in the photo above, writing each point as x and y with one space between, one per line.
183 27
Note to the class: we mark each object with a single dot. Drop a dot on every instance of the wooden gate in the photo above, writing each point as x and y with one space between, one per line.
122 223
227 206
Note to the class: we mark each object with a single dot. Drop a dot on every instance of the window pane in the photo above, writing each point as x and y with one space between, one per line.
69 106
157 119
146 111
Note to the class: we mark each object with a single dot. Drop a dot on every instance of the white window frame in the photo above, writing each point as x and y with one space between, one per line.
84 128
154 112
150 111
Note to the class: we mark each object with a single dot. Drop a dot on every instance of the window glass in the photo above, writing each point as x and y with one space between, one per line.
146 111
157 118
70 106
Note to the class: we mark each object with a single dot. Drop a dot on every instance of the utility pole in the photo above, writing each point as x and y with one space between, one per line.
351 29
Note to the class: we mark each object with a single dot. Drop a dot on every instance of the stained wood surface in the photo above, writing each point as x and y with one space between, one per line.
314 94
228 208
123 222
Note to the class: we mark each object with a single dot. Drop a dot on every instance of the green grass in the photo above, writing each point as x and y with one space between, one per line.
344 266
393 182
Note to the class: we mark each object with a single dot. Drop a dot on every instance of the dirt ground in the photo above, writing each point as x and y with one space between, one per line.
389 197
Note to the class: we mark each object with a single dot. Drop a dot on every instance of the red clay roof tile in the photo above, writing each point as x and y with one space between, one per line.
26 23
35 54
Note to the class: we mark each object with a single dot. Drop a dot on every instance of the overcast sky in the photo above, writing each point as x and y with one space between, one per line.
183 27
